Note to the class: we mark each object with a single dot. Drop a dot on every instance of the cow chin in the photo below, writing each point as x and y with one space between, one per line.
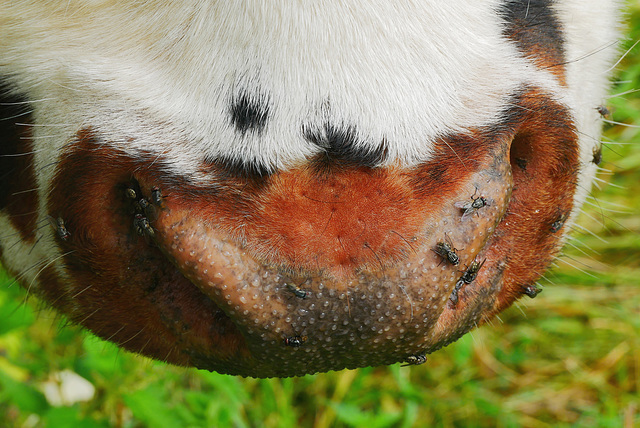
322 266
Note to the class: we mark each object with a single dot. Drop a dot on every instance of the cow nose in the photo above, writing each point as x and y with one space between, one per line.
320 267
310 255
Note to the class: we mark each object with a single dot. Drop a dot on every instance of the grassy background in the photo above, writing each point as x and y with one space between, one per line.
570 358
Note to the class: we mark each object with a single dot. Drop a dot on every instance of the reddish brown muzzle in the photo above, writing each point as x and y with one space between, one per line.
318 267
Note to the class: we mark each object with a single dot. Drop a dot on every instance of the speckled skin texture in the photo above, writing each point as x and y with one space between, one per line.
370 316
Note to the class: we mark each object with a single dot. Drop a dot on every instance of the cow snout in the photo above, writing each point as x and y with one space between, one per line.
321 266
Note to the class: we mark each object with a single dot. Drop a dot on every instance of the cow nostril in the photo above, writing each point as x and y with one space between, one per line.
544 164
521 156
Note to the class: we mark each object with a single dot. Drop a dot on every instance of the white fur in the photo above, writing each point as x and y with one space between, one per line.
591 35
404 72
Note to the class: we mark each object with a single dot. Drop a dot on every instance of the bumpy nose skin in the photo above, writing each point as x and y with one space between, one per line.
375 312
310 269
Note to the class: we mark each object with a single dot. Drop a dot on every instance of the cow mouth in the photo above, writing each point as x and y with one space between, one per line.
310 269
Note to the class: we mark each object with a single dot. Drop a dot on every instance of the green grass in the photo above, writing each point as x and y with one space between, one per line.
570 358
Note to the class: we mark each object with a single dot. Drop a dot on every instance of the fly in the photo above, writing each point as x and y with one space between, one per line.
59 226
296 290
467 278
472 206
415 360
447 251
295 341
142 226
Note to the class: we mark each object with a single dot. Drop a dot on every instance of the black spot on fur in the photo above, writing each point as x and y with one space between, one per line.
18 193
533 25
13 110
249 113
511 116
234 169
340 148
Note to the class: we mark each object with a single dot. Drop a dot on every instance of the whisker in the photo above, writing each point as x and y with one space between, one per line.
597 205
626 125
44 125
575 247
14 155
81 322
564 260
605 202
619 94
108 339
408 298
47 264
580 58
622 57
15 116
573 238
584 229
131 338
82 291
